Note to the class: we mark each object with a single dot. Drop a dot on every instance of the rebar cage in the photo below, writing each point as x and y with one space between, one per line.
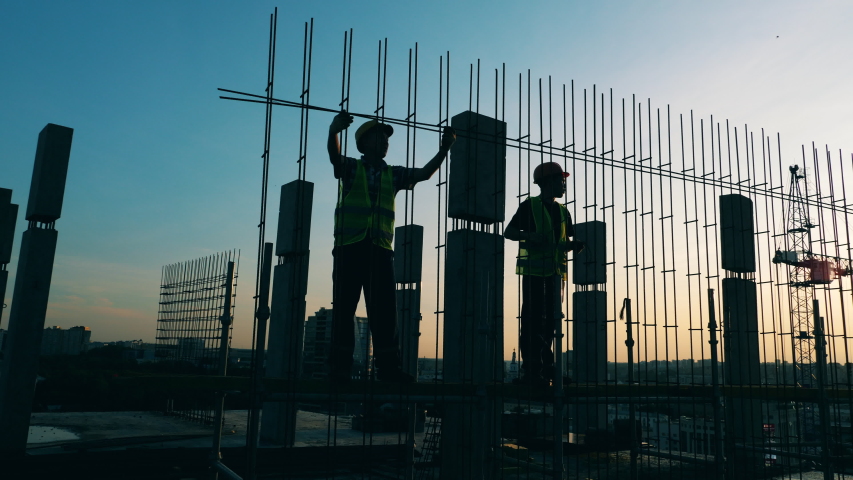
711 341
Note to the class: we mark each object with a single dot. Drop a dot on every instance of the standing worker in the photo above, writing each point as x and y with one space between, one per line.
543 227
363 254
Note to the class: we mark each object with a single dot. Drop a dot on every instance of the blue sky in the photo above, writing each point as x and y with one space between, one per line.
162 170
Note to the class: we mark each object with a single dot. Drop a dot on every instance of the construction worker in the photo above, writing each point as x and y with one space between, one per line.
542 227
363 255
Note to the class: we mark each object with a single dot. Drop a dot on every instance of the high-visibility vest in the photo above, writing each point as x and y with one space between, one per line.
355 214
548 258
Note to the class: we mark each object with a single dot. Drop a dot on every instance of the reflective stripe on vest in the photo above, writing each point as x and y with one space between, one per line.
355 214
549 258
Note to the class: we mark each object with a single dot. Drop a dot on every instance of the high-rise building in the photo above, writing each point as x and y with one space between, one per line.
318 340
57 341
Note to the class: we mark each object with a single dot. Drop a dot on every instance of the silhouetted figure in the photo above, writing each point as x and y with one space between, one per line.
543 227
363 254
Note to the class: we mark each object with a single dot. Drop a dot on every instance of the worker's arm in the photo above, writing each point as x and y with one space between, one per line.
514 234
339 124
425 172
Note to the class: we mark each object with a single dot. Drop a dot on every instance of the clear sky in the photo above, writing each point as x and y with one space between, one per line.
163 171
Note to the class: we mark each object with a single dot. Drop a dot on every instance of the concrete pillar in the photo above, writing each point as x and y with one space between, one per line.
473 351
32 287
590 266
737 233
477 169
589 328
473 295
287 306
8 217
408 264
589 320
742 360
740 328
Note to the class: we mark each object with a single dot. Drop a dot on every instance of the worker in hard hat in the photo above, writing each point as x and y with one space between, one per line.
542 226
364 233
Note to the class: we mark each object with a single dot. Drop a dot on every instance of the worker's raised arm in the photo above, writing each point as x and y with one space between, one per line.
448 137
339 124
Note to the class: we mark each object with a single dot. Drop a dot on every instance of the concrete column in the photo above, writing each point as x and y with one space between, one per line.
743 416
8 217
477 169
473 295
287 308
590 266
589 320
737 233
473 351
742 361
32 287
589 328
408 263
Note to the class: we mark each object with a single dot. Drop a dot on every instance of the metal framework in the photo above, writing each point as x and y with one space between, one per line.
654 177
192 296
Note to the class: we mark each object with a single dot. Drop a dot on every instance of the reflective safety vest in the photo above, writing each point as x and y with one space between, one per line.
549 258
356 215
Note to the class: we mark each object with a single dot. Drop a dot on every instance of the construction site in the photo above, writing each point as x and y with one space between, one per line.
703 298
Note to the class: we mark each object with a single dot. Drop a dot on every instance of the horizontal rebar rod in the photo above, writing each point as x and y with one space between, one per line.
569 154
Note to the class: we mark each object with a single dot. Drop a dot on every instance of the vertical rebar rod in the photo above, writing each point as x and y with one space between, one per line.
632 419
823 405
262 315
719 458
222 370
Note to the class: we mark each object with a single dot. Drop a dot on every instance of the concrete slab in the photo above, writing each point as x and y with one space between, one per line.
120 430
47 188
477 186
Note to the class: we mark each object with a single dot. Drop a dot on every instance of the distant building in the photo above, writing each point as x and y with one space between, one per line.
512 368
429 369
136 349
318 340
58 341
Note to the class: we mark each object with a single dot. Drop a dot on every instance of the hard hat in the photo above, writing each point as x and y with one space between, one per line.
546 170
366 126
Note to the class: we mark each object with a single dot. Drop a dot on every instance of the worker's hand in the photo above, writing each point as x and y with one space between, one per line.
448 137
534 238
340 123
575 246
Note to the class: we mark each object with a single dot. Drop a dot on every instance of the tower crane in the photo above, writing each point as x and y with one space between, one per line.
806 269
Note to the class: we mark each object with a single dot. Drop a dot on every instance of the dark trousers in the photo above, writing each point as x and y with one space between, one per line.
541 309
366 266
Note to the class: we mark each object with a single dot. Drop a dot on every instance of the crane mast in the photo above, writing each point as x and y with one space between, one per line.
801 261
